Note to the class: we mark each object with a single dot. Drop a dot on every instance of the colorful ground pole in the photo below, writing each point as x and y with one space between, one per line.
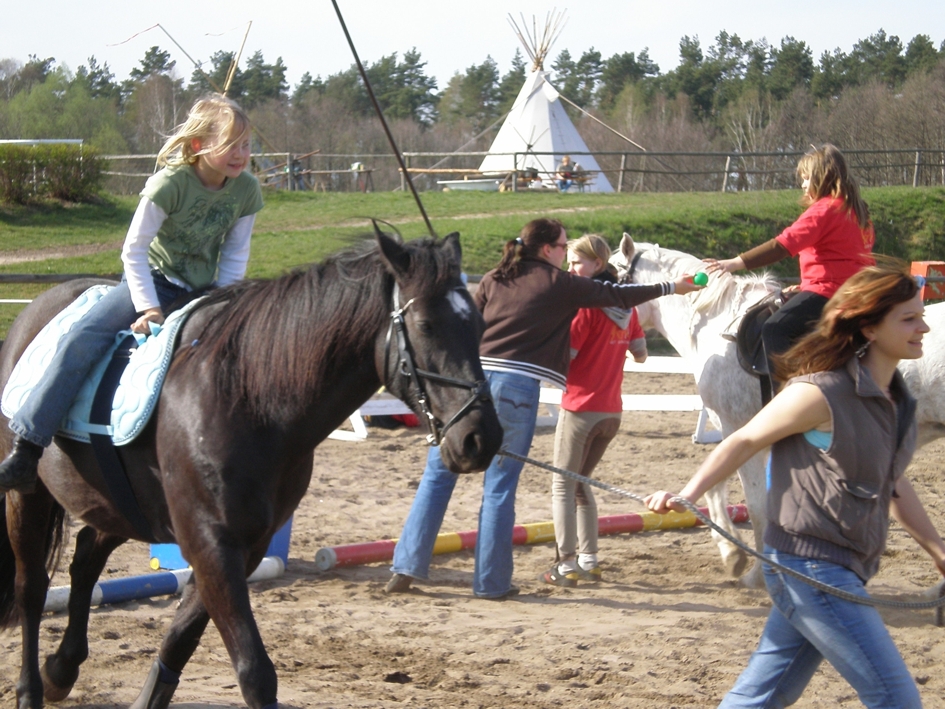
535 533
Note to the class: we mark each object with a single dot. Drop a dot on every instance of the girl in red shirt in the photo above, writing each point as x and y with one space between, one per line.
590 414
833 239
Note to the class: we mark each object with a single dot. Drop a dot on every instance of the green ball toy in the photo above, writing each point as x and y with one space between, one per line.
701 278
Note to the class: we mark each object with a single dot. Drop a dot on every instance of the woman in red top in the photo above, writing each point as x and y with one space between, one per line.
590 414
833 239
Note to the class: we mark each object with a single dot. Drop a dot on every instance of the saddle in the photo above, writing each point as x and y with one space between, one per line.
130 403
749 347
748 344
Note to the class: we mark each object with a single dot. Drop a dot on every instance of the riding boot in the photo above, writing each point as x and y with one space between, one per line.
18 470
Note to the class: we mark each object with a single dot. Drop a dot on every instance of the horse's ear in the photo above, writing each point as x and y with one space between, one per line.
452 247
627 247
393 254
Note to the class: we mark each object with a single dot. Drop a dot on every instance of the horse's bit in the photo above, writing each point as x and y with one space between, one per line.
479 389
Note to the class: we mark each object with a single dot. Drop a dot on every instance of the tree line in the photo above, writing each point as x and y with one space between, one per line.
733 95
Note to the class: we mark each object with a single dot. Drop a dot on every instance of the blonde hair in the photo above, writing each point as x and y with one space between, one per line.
826 168
216 121
593 247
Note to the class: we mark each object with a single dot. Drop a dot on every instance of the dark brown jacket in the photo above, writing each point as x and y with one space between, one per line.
528 317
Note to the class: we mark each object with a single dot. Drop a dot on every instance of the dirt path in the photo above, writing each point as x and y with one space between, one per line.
26 256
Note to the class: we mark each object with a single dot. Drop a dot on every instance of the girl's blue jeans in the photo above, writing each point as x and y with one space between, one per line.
807 626
516 401
85 344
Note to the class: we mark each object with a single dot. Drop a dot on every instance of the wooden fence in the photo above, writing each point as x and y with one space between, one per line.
634 171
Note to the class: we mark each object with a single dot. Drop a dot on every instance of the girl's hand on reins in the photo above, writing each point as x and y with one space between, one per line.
662 502
151 315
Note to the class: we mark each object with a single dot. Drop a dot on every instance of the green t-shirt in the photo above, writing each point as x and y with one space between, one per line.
187 246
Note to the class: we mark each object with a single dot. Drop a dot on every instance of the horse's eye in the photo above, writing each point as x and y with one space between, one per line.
425 327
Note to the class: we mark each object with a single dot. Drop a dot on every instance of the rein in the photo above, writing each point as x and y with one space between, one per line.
845 595
479 390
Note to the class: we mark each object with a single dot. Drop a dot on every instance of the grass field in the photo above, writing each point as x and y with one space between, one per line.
298 228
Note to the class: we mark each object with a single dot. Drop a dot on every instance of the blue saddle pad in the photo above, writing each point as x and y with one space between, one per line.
140 383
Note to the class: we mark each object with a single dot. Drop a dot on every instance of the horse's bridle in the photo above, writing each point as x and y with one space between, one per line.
628 276
479 390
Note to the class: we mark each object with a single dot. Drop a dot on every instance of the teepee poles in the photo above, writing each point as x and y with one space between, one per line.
538 46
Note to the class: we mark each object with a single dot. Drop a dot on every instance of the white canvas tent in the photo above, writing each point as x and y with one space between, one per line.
537 133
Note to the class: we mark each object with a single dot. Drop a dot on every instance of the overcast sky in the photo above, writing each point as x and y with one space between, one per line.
449 35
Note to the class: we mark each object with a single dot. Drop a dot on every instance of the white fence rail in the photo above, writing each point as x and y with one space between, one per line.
387 405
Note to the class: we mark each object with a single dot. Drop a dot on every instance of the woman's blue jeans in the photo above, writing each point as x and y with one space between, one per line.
516 402
805 627
86 343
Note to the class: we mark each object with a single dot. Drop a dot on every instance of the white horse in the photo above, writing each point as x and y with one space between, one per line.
694 325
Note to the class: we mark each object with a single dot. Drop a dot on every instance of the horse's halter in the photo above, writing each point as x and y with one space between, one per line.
479 389
628 276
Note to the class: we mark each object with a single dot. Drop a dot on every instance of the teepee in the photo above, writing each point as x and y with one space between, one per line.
537 133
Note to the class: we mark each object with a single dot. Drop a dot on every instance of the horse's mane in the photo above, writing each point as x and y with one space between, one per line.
273 345
725 292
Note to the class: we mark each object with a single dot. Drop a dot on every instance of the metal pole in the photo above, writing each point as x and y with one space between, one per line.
728 163
623 166
380 114
915 172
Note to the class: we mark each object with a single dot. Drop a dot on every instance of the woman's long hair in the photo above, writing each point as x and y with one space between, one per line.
533 236
864 300
826 168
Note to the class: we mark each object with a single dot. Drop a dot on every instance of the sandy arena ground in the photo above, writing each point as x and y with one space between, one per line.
667 628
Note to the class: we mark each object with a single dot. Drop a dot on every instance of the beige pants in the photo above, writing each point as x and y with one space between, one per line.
580 441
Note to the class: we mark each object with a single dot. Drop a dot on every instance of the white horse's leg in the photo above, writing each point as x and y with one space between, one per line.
735 559
752 475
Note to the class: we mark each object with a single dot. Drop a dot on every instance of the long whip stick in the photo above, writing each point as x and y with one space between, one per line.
380 114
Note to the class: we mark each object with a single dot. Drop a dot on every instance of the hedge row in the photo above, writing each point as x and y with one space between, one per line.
68 172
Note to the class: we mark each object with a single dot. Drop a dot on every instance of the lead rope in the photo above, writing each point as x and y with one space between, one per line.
839 593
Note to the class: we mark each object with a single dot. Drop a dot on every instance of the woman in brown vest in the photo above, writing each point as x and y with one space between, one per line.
841 434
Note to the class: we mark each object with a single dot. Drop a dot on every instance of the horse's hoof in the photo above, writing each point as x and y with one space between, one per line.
754 579
736 563
51 691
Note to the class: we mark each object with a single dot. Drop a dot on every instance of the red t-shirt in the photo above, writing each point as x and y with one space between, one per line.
830 245
596 374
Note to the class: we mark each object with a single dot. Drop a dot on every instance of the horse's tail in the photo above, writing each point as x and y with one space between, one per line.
55 534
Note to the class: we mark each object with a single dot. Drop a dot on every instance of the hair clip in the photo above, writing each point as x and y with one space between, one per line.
920 281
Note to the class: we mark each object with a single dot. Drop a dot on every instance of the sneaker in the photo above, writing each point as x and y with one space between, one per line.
18 470
399 583
592 575
556 577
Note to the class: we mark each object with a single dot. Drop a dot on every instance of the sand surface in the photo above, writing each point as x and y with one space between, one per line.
667 628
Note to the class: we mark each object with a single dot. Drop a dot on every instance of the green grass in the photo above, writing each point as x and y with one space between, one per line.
297 228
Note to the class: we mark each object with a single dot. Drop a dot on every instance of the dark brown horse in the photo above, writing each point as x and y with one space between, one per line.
266 370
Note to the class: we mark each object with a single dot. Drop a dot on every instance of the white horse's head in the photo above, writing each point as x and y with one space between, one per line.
651 263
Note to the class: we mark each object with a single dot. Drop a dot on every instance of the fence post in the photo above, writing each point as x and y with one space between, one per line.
403 175
915 172
642 171
623 167
515 172
728 163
